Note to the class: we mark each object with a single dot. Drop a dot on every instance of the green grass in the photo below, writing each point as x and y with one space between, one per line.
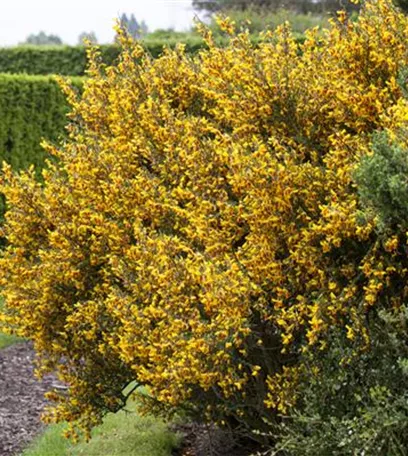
121 434
6 339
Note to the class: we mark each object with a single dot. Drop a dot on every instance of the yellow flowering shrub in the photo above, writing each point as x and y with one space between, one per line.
201 227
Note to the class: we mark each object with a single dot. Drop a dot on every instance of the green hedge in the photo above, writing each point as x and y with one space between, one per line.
31 108
71 60
44 60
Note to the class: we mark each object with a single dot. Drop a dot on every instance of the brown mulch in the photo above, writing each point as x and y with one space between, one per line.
21 398
202 440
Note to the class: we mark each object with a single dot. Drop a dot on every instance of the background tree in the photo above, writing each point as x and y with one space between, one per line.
135 28
301 6
42 39
143 28
89 36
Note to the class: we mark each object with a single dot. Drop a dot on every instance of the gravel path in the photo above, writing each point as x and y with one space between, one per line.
21 398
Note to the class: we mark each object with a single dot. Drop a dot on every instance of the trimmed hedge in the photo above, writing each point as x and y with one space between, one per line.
45 60
71 60
31 108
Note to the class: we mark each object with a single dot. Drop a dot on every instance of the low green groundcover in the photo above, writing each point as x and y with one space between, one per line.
122 434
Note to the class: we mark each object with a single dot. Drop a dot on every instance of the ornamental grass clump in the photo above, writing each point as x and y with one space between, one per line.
201 227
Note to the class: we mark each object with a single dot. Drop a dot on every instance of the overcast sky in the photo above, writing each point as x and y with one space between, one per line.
68 18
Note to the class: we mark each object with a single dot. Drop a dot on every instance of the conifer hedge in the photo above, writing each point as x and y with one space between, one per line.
45 60
31 108
71 60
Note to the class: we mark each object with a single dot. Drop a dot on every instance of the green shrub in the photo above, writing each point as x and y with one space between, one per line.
170 34
260 19
382 180
354 405
155 47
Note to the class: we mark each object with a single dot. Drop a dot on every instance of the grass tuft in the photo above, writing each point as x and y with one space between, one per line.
121 434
